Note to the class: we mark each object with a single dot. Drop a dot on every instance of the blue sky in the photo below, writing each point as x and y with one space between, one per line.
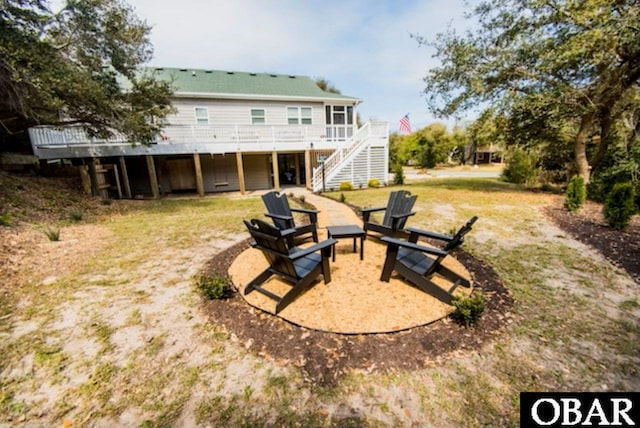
362 47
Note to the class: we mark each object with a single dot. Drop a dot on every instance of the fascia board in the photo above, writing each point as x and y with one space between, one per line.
231 96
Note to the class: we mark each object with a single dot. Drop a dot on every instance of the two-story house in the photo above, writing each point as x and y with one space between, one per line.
232 131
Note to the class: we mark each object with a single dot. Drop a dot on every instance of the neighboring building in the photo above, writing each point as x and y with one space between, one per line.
487 154
231 131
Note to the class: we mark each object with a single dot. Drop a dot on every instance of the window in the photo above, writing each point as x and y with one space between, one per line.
202 115
257 117
299 115
305 115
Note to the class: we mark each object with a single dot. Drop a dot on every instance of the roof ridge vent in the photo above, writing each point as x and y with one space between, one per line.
183 69
252 74
291 76
274 75
208 71
230 72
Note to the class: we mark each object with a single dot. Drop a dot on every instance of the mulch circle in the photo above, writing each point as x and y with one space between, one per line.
325 357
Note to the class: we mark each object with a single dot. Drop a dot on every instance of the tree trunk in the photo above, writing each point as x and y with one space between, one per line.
580 146
606 124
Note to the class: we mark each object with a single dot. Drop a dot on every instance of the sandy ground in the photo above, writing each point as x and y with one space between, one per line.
355 301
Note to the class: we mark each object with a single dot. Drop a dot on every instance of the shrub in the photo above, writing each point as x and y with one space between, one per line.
76 216
619 206
521 168
468 309
576 194
398 174
342 197
5 220
346 186
302 199
52 234
214 286
374 183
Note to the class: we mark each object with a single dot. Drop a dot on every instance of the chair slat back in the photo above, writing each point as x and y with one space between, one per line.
400 202
458 238
277 203
273 245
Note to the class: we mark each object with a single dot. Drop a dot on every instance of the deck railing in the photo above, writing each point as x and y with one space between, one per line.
49 136
364 136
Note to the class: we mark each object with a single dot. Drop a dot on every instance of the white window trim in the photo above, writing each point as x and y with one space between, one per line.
264 116
299 116
195 114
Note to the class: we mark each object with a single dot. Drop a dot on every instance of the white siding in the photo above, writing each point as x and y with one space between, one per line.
238 112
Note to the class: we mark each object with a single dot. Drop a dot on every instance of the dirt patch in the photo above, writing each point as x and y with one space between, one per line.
587 226
327 357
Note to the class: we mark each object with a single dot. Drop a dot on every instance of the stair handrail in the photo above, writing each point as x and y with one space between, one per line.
342 156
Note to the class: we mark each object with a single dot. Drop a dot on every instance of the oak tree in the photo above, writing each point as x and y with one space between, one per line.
544 64
81 64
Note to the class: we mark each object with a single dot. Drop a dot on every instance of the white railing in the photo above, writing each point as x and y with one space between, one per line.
362 138
49 136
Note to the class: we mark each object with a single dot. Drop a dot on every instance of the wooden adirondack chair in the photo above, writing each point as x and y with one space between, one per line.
298 266
419 264
451 241
282 216
397 211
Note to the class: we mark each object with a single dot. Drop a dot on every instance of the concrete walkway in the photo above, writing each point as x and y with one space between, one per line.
331 213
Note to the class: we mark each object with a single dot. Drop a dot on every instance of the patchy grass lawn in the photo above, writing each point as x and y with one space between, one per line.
104 327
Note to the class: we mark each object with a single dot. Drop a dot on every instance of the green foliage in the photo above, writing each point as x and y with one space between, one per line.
398 174
343 198
619 166
83 60
302 199
619 206
345 186
76 216
5 220
214 286
373 183
576 194
520 168
555 70
468 309
51 233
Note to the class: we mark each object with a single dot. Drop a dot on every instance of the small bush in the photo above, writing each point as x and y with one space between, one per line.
5 220
398 174
52 234
343 198
521 168
576 194
345 186
302 199
619 206
468 309
214 286
76 216
373 183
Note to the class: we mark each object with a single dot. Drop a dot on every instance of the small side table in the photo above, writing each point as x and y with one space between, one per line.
347 231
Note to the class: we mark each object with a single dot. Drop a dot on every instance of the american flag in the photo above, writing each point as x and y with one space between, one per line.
405 125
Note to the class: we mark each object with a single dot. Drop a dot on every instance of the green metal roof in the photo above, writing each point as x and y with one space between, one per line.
243 84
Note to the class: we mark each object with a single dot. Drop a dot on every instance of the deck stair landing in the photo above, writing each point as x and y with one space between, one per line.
364 157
